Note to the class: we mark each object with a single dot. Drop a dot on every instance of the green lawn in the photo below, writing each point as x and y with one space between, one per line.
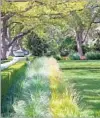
85 76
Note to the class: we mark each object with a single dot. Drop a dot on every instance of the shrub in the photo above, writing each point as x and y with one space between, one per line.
86 48
74 56
93 55
67 45
58 57
64 53
50 53
9 75
38 46
96 46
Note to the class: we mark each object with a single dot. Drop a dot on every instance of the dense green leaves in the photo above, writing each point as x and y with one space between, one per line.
67 16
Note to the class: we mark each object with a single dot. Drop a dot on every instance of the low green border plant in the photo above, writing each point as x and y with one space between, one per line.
93 55
74 56
8 77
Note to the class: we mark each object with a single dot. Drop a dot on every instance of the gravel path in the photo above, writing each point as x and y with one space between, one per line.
15 59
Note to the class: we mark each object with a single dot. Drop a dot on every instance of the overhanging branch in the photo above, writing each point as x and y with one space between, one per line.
10 14
92 21
20 36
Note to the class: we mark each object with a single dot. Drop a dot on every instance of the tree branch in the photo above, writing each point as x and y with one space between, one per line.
9 15
19 36
14 23
92 21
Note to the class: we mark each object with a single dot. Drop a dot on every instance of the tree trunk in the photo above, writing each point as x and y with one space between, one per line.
4 53
10 53
79 39
20 43
4 41
11 49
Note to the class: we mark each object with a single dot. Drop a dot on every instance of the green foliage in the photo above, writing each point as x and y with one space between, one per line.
74 56
96 46
64 53
53 48
58 57
91 48
9 75
93 55
67 45
41 14
86 48
37 46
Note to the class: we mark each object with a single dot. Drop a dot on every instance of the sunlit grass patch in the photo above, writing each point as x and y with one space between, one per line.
85 75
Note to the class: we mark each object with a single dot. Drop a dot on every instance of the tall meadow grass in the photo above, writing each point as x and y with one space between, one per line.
34 102
62 102
44 92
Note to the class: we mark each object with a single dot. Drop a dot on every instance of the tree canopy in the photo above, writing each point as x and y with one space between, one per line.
72 16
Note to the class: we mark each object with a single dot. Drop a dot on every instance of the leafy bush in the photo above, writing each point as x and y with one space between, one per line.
74 56
86 48
58 57
67 45
93 55
64 53
50 53
8 76
38 46
96 46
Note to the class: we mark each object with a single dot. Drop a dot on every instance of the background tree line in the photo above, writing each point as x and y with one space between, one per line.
51 21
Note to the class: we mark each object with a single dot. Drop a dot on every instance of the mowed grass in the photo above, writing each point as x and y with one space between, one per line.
85 76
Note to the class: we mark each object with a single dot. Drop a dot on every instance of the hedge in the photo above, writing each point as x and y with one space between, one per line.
9 75
93 55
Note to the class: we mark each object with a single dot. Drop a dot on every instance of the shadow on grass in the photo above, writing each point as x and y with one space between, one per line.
87 84
89 91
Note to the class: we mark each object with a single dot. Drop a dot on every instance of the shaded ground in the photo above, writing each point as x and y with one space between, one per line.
85 75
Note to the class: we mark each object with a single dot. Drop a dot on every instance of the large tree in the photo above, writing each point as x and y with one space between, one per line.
37 15
9 16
